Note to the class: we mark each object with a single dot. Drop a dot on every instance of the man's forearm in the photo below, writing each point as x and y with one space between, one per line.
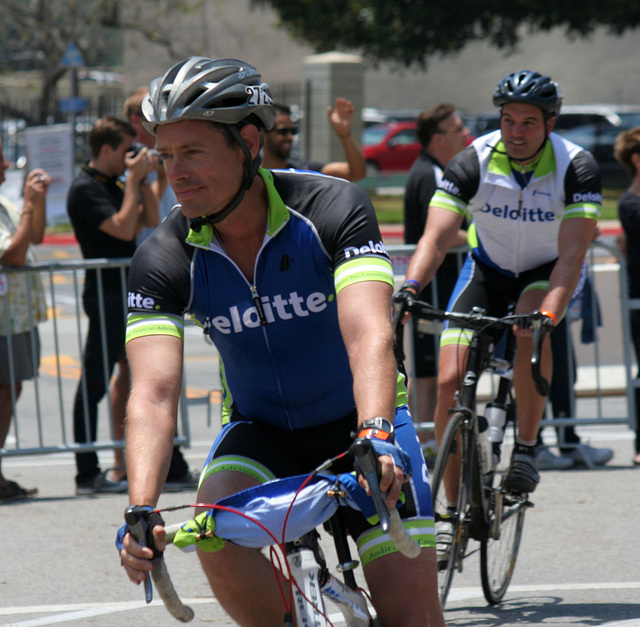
354 158
150 215
149 441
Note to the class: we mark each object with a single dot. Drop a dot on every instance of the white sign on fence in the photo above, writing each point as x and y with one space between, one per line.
51 148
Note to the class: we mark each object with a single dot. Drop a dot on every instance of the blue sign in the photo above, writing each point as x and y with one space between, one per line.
72 105
72 57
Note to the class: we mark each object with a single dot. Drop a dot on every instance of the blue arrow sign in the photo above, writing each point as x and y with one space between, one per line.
72 57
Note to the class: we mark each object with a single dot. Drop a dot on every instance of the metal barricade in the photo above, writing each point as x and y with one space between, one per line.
604 366
43 416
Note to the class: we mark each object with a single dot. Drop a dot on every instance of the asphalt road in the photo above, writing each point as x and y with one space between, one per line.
579 560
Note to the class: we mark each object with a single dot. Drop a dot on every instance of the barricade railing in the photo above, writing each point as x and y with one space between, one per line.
603 371
35 428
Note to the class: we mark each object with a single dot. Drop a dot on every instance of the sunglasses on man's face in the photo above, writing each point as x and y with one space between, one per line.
293 130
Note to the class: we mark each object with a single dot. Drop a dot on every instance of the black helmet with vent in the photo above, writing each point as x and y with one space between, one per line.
530 88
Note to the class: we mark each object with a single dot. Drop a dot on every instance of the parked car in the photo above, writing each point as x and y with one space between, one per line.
391 147
592 126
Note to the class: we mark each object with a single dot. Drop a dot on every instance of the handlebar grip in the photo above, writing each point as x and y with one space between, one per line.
171 530
167 592
400 536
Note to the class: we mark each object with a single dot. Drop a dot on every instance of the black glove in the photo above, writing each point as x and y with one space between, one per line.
404 298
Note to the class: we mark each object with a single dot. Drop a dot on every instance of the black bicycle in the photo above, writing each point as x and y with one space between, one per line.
469 500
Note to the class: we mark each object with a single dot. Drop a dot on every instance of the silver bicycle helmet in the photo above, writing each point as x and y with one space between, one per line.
224 91
530 88
219 90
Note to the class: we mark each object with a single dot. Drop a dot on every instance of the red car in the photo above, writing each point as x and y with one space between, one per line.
390 147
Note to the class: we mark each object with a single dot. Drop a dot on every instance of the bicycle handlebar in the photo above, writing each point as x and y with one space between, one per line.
476 320
390 522
365 458
134 517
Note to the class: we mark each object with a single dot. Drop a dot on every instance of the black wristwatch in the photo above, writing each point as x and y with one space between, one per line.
377 427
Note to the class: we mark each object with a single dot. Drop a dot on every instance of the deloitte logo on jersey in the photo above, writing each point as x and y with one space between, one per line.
523 214
370 247
587 197
138 301
284 308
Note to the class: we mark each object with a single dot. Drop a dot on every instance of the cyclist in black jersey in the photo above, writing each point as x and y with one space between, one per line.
286 273
534 199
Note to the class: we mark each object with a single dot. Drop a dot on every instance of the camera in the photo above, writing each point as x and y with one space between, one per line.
136 147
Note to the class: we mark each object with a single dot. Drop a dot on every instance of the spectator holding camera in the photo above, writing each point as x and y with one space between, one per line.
106 215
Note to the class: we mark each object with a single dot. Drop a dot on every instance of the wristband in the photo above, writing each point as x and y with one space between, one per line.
379 428
550 315
410 283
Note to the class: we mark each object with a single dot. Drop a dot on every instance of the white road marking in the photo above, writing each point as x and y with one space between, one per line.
67 613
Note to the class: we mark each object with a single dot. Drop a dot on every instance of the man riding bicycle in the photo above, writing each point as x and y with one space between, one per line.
534 199
286 273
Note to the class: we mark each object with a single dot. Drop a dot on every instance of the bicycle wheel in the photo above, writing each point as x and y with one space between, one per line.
450 494
498 553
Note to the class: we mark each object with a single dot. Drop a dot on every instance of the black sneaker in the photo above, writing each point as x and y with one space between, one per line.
189 481
10 492
101 484
522 475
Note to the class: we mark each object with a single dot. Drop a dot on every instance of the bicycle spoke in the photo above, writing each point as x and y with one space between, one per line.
498 553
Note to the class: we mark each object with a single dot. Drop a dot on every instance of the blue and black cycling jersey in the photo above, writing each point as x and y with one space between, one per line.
283 361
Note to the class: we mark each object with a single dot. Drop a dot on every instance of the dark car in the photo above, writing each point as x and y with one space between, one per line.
592 126
391 147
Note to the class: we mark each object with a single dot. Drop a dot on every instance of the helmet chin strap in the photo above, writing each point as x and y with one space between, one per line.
249 171
526 160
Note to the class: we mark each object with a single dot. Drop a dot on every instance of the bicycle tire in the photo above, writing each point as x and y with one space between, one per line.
498 555
454 442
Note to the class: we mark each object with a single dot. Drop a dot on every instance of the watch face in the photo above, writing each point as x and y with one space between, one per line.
379 423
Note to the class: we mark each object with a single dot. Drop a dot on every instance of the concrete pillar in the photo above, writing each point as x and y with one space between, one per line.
326 77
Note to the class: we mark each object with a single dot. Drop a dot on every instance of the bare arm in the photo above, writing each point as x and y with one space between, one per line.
156 383
341 119
368 338
574 238
441 232
159 186
30 228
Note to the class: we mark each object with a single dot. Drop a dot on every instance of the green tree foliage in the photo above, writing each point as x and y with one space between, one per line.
409 32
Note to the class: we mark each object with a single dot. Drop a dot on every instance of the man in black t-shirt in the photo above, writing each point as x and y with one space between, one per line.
442 135
106 215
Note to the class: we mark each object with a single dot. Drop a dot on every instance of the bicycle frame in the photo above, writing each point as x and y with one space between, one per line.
467 504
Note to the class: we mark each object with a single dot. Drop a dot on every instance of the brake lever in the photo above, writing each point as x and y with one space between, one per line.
539 325
367 465
133 516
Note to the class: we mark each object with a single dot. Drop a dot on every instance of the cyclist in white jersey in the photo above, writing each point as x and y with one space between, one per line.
534 199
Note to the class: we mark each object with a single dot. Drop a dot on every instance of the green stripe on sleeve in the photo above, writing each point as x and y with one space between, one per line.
140 325
444 200
582 210
363 269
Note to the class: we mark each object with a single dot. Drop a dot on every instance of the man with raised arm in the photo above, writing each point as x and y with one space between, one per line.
278 143
276 267
534 199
